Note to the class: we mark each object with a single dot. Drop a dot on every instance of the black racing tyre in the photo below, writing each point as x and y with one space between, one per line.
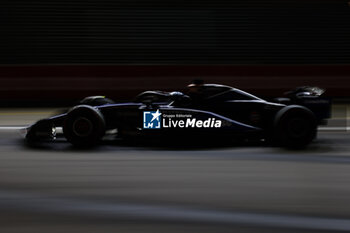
96 101
294 127
84 126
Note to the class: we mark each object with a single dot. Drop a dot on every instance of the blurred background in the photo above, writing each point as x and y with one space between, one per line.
54 53
121 47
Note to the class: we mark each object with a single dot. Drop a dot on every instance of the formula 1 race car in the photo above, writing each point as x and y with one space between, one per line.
206 111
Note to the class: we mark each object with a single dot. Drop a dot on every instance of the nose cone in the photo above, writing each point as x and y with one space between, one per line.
43 129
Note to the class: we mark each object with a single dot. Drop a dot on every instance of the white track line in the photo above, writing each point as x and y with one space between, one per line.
12 127
49 205
334 128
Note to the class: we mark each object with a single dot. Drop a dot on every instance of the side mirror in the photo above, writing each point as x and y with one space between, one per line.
180 98
148 100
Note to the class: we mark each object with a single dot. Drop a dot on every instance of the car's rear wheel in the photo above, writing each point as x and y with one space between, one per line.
295 127
84 126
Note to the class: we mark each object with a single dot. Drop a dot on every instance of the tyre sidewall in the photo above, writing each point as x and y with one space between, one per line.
96 122
295 126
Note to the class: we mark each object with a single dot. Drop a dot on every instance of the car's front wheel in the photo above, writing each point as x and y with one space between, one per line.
96 101
84 126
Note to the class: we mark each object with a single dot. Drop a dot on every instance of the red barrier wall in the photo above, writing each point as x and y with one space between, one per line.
67 82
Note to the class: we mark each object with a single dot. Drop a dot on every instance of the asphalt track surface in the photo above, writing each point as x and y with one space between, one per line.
117 187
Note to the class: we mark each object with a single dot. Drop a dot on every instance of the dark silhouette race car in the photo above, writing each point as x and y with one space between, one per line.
205 111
